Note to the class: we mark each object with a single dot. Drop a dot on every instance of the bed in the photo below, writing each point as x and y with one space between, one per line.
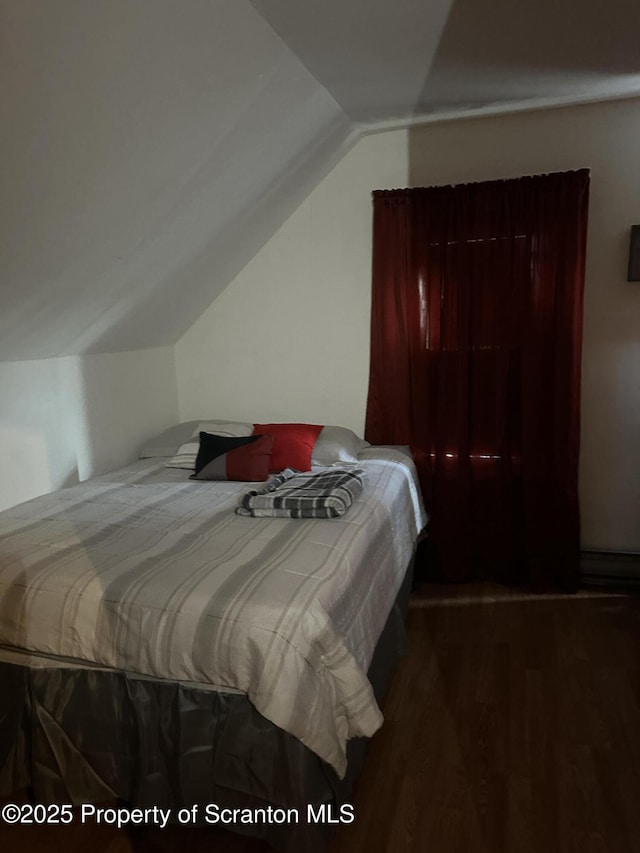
158 648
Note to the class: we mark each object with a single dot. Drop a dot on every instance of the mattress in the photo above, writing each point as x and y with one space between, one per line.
148 572
83 734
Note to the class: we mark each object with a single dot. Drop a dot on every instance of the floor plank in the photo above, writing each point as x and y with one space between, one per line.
512 726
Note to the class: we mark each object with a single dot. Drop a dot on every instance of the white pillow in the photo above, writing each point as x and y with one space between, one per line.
168 441
232 429
187 453
337 444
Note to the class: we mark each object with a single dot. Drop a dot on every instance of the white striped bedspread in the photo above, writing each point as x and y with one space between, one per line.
146 571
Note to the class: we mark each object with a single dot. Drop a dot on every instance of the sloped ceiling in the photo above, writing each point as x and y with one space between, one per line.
150 147
411 60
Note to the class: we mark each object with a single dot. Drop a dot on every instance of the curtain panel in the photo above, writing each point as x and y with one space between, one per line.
476 337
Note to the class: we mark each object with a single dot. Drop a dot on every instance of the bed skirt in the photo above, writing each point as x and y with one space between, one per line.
79 735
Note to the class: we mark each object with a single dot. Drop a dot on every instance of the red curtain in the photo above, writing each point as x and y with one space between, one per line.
476 336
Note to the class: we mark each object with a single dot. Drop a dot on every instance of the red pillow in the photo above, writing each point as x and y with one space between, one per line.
292 444
222 458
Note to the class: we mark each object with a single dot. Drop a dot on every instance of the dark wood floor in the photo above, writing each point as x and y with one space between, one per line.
513 726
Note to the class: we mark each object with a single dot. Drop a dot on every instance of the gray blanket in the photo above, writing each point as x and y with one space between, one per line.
146 571
328 494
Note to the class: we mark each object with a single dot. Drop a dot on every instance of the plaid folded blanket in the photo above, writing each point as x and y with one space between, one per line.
328 494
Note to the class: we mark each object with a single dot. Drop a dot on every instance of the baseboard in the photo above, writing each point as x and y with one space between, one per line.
610 568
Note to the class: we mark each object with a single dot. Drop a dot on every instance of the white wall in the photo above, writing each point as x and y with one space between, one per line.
66 419
38 428
289 338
